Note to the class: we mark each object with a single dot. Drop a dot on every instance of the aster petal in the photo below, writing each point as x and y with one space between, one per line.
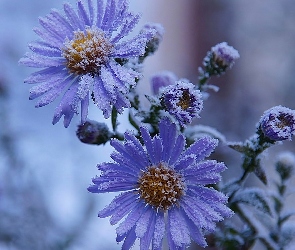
113 184
91 12
84 108
214 198
129 151
202 148
123 162
110 167
134 47
49 27
72 17
178 230
146 240
159 231
129 240
37 61
156 155
83 14
45 74
121 102
100 12
196 215
125 76
131 218
65 27
120 14
57 81
153 145
195 231
143 222
102 97
44 50
51 94
46 36
109 82
146 138
206 213
168 136
108 17
121 212
184 163
122 200
207 172
177 149
68 105
129 23
131 137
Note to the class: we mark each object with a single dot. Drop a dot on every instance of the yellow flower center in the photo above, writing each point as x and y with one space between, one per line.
185 100
161 187
87 51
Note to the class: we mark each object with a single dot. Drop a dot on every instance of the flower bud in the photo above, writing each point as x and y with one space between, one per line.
92 132
278 123
224 55
182 101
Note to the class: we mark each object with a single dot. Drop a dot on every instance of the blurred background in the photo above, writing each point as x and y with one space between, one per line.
45 169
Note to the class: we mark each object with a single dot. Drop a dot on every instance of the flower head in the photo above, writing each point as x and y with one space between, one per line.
80 53
278 123
182 101
224 55
163 188
162 79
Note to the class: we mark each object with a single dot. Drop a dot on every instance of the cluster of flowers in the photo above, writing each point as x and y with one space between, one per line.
167 185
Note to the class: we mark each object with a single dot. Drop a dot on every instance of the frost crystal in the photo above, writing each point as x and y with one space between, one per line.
79 43
162 179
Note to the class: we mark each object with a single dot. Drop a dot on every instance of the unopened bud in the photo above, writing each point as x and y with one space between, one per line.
92 132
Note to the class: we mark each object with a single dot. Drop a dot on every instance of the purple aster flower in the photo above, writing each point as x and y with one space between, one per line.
164 192
80 52
224 55
162 79
278 123
182 101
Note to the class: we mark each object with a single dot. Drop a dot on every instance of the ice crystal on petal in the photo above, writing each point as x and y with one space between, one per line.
278 123
82 44
161 179
182 101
